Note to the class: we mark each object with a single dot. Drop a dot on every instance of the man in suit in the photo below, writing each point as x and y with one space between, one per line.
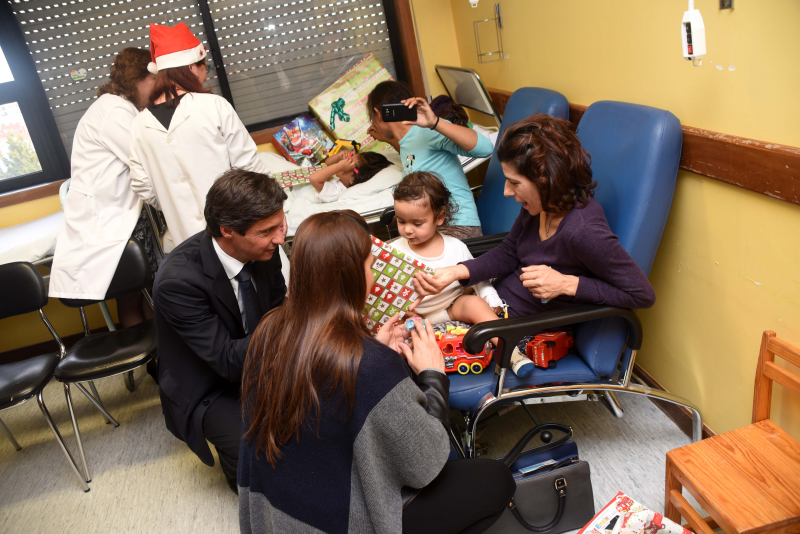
210 293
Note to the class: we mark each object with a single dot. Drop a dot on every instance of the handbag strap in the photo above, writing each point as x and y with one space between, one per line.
561 489
512 456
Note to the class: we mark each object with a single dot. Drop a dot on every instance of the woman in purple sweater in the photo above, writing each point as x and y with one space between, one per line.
560 252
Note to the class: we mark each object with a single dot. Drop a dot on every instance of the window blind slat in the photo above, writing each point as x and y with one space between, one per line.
87 34
280 54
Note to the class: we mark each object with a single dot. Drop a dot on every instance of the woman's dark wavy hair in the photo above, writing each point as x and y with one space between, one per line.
547 152
128 69
428 188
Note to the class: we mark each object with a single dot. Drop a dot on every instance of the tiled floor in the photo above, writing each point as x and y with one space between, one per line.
145 480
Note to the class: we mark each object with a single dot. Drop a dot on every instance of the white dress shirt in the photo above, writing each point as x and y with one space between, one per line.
232 268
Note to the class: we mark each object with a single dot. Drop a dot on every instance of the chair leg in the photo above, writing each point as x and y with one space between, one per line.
613 405
130 383
60 441
97 404
97 397
77 430
671 483
10 435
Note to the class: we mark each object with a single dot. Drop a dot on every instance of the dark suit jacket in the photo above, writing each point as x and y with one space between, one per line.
201 340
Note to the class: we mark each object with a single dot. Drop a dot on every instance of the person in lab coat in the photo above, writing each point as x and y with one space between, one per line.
186 137
100 211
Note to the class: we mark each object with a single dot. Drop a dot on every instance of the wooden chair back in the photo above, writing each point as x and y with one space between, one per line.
768 371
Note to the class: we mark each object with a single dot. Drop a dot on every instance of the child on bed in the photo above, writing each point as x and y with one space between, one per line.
344 170
431 144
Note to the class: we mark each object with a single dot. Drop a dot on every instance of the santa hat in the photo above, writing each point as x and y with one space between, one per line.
173 47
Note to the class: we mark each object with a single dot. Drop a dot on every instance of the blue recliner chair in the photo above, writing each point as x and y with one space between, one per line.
635 152
498 215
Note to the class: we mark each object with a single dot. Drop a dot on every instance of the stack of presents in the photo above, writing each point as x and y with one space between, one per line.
339 114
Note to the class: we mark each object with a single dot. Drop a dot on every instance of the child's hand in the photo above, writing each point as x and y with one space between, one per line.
426 118
347 164
336 158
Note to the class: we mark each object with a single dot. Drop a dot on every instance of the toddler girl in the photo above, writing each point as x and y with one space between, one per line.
421 203
344 170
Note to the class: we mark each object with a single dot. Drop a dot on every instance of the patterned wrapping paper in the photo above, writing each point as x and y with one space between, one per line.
623 515
393 291
299 176
354 87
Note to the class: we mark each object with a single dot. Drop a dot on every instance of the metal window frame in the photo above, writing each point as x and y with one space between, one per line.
28 92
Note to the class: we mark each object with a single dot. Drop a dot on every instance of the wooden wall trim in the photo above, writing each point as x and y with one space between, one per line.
30 193
408 38
759 166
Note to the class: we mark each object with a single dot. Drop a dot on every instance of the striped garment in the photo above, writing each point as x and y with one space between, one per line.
354 474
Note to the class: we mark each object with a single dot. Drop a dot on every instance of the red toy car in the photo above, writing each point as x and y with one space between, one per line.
546 349
456 358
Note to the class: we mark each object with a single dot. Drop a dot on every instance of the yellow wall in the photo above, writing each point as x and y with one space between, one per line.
24 330
727 267
437 37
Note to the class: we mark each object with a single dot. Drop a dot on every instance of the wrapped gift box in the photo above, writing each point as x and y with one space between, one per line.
294 177
623 515
342 107
393 290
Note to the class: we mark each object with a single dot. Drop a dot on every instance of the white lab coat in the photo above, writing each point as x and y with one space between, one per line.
100 210
174 168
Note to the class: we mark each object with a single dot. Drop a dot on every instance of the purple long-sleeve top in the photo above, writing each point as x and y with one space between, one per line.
582 246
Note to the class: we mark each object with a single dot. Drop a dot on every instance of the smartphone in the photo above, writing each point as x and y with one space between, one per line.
398 113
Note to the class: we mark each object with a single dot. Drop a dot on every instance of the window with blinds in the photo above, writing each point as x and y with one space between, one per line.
84 36
280 54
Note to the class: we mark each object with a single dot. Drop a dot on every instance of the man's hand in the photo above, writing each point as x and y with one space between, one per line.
425 352
391 334
426 118
546 283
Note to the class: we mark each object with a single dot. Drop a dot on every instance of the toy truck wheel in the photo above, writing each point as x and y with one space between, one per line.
476 368
463 368
552 364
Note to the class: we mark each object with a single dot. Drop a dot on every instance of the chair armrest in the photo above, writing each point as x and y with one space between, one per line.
483 244
510 331
387 216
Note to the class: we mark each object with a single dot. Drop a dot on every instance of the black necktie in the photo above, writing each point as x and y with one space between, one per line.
252 308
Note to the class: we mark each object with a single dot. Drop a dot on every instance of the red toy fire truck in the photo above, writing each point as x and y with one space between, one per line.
456 358
546 349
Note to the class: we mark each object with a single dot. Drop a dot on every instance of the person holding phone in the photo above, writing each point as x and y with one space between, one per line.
429 143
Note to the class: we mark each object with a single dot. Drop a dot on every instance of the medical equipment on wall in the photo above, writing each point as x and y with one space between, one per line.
693 34
491 36
473 3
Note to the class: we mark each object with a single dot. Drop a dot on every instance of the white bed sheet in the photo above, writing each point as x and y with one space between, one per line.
30 241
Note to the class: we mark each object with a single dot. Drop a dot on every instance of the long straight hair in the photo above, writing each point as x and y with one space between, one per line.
168 81
311 346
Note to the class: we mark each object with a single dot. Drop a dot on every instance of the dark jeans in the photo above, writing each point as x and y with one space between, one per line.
467 497
222 426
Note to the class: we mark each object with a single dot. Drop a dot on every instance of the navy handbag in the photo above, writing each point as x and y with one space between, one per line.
554 488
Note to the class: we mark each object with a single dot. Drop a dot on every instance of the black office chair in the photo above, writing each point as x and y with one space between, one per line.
24 291
110 353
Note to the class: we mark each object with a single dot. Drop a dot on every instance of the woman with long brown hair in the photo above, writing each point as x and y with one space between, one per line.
339 436
187 137
101 212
